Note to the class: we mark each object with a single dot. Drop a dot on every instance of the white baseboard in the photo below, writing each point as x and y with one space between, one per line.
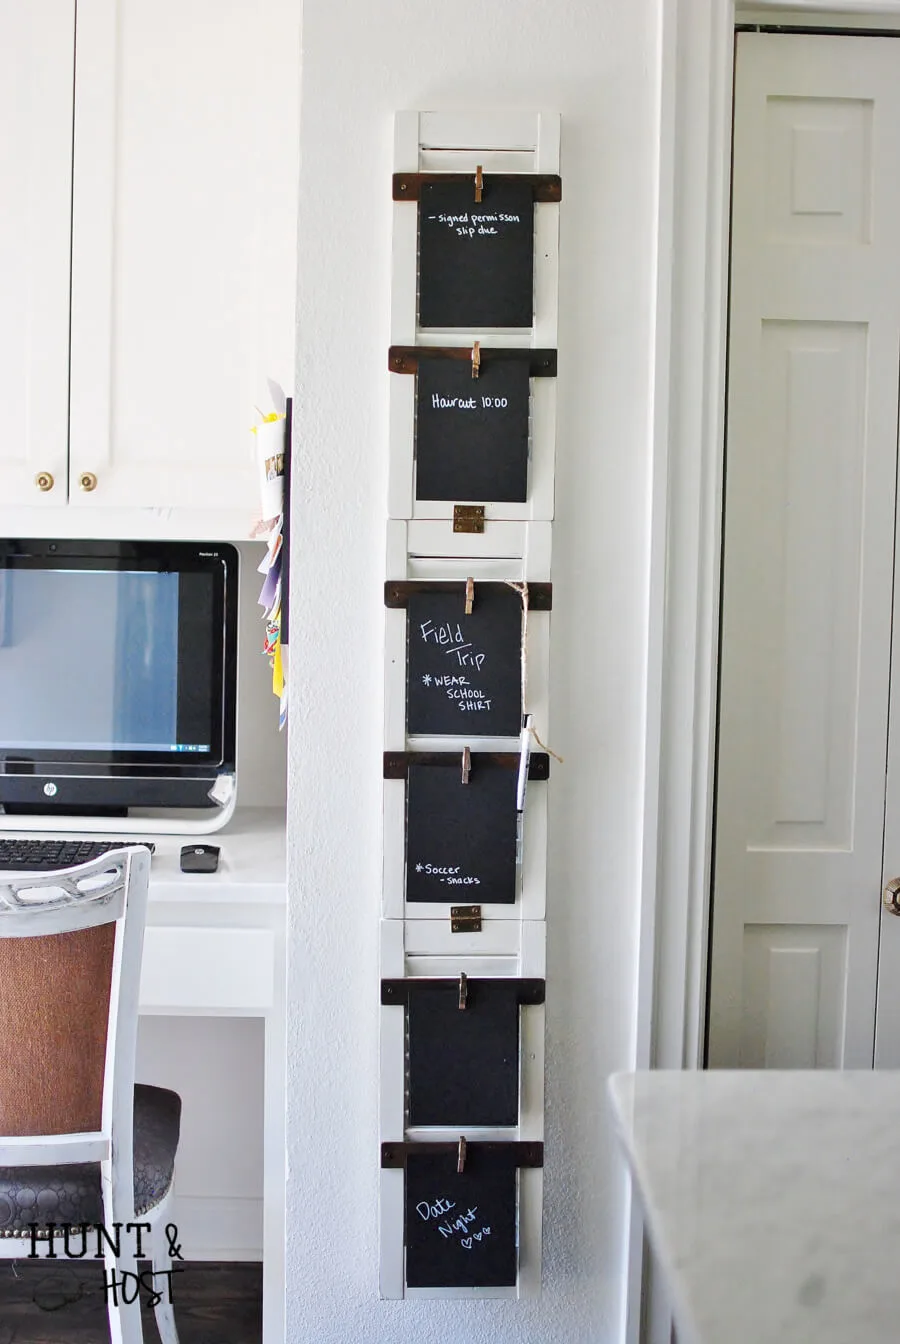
218 1229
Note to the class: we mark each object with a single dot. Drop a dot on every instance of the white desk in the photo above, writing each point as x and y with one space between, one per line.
771 1201
214 946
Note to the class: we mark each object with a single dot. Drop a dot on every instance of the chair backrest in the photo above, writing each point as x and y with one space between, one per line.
70 958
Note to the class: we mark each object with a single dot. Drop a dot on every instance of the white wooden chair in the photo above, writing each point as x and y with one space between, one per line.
79 1143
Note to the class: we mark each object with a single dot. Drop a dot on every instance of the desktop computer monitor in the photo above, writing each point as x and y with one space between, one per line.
118 672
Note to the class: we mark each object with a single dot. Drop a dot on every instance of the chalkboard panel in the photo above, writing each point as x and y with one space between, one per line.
472 433
461 1227
464 673
476 262
464 1063
461 838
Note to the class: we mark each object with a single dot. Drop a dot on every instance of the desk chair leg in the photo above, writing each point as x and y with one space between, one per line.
162 1264
122 1271
125 1318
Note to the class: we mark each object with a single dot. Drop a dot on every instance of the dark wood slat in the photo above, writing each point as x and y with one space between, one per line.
397 763
397 591
399 991
547 187
406 358
515 1152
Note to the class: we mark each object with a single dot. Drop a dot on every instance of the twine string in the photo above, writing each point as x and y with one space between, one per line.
522 590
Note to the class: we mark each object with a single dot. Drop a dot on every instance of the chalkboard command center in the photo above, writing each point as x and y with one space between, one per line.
462 824
464 670
460 1029
461 1214
473 411
476 261
461 838
460 1226
472 446
476 246
472 433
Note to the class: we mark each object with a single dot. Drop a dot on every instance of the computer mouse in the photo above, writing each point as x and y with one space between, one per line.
199 858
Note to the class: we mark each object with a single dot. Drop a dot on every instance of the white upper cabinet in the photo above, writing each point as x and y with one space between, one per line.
37 54
179 185
184 245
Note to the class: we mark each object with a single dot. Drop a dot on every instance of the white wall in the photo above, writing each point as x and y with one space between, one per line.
215 1064
595 62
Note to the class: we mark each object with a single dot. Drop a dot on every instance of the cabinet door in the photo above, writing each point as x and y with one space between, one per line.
184 243
37 52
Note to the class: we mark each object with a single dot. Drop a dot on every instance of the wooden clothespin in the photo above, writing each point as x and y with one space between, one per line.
463 991
479 184
470 595
466 764
461 1156
476 359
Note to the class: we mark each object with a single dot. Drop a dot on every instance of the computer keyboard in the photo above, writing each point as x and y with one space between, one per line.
34 856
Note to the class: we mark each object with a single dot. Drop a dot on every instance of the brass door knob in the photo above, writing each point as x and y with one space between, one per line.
891 896
44 481
87 480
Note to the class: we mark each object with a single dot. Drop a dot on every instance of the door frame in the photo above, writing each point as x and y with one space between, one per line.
696 68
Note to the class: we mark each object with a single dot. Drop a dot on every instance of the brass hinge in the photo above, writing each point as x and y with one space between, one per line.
468 517
465 919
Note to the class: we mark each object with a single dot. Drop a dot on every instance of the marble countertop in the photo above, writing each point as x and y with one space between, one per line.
772 1201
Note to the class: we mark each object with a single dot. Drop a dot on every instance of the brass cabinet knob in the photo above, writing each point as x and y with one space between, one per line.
87 480
44 481
891 896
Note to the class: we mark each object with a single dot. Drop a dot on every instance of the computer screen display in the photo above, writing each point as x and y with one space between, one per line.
118 655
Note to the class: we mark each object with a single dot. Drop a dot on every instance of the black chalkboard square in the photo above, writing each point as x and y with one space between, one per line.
464 673
461 1227
464 1063
461 838
476 262
472 433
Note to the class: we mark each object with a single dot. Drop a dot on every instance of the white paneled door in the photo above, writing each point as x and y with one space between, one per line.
808 801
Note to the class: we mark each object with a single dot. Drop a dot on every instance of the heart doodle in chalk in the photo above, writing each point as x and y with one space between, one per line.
467 1243
477 1236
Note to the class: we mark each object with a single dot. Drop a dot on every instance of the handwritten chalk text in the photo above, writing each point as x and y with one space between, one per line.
439 403
454 637
451 876
460 1225
472 222
435 1210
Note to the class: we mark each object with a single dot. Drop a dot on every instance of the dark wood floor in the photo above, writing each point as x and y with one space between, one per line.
42 1303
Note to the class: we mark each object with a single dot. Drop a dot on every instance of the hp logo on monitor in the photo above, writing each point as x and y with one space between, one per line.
50 789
